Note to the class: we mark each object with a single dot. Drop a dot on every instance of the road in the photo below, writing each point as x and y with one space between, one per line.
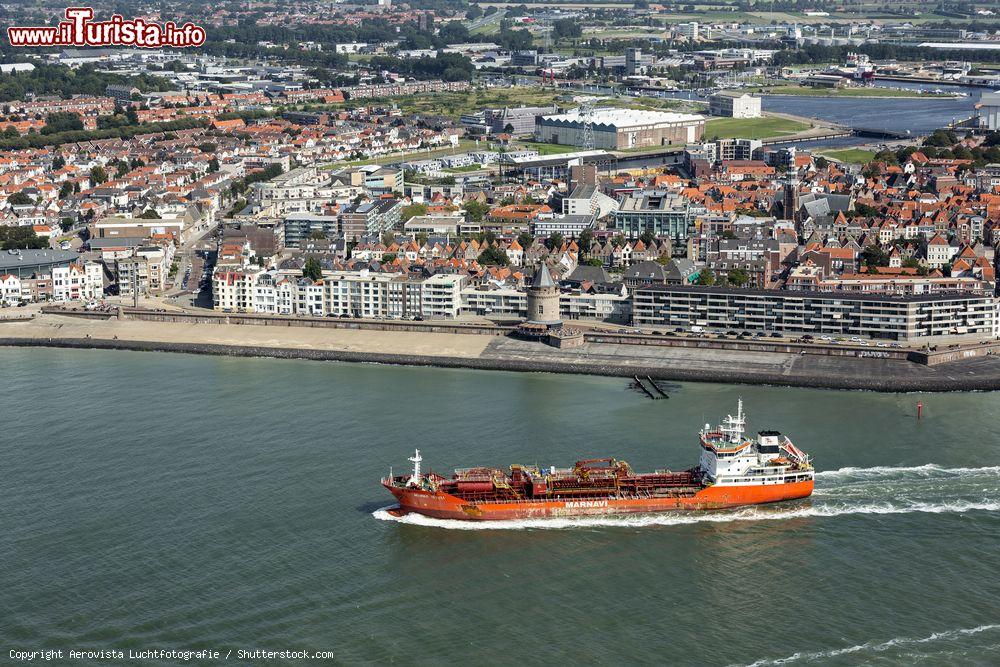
188 260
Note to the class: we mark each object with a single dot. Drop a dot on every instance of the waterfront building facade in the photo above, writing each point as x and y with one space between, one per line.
896 318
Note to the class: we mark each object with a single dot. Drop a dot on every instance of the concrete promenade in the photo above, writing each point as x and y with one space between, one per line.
504 353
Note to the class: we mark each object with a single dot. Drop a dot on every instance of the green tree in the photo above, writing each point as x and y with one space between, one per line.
738 277
706 277
413 210
493 257
62 121
475 210
20 199
312 269
585 241
98 175
388 258
555 241
526 239
150 214
648 237
213 165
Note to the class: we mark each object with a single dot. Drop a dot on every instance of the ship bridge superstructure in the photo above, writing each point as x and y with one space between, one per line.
729 458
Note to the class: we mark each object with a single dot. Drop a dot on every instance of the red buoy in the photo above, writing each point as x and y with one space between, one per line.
920 409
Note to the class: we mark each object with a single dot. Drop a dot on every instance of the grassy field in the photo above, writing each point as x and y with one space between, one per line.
457 103
467 168
851 155
846 92
464 145
752 128
547 149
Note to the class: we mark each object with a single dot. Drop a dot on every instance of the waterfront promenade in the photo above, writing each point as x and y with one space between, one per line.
602 355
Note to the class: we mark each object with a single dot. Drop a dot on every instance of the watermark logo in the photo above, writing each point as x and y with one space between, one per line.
79 29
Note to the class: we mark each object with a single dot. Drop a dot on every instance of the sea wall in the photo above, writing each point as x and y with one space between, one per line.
856 375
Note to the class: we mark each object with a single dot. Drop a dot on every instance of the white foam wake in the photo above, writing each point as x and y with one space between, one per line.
926 470
873 647
683 517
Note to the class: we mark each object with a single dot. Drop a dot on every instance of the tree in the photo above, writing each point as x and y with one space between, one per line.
555 241
213 165
585 241
21 237
98 175
20 199
706 277
493 257
388 238
475 210
473 12
388 258
312 269
58 162
62 121
150 214
66 224
593 261
648 237
562 28
65 190
412 210
738 277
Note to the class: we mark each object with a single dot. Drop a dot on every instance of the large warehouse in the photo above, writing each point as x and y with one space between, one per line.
619 129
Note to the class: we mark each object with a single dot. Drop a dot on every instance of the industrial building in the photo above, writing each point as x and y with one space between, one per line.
620 129
989 110
515 120
732 104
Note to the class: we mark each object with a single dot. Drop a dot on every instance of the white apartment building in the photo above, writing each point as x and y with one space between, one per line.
76 282
10 290
339 294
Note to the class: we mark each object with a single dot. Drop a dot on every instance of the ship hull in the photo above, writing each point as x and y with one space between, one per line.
446 506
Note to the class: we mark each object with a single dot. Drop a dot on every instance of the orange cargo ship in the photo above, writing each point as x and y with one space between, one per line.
733 471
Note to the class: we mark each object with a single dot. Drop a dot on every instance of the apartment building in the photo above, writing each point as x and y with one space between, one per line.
372 217
339 294
144 271
656 211
78 282
899 318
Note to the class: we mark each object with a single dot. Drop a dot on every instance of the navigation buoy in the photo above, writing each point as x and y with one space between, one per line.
920 409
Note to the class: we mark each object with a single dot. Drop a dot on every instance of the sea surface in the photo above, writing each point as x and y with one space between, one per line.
170 501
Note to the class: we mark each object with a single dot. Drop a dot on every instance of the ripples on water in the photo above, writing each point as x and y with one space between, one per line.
154 500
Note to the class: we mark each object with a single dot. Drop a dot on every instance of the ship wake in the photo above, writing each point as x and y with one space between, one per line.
928 489
953 637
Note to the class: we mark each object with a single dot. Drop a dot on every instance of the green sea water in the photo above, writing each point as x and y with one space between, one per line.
164 501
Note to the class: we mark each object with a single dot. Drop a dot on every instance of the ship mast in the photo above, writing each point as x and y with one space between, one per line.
732 427
415 478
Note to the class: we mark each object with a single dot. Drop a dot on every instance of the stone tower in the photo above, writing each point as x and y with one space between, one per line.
543 299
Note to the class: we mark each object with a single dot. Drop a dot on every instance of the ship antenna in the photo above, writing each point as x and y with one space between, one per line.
416 459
